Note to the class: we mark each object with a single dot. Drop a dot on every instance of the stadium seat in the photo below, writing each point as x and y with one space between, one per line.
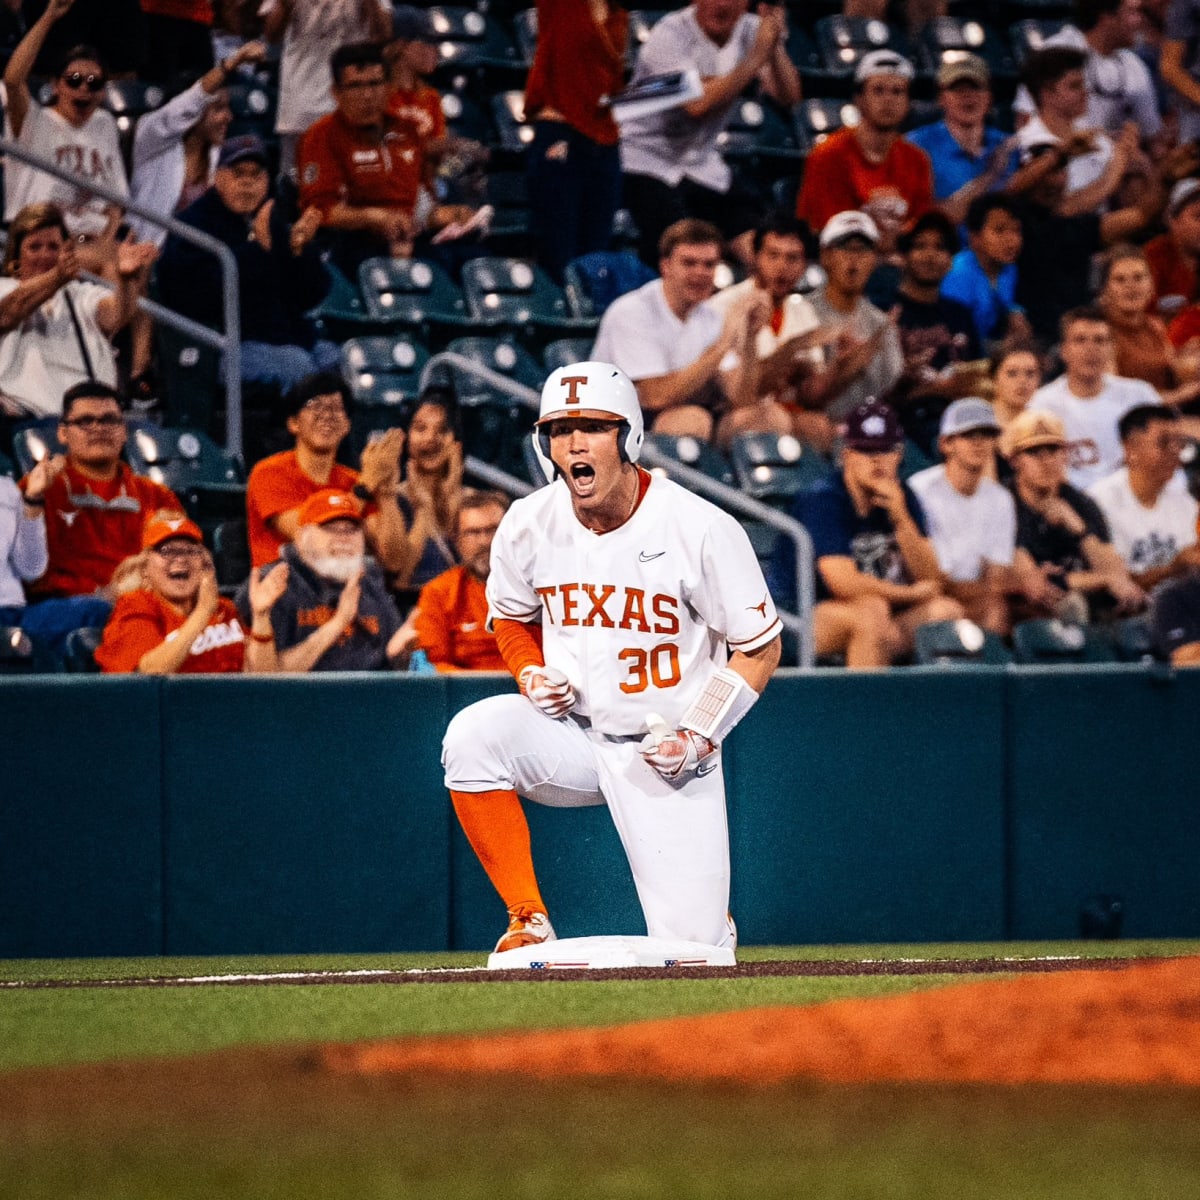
1051 642
1133 639
343 313
253 106
508 194
495 424
34 440
466 117
514 134
958 643
79 651
209 482
816 119
7 466
593 281
383 370
469 40
1029 36
412 293
16 651
760 136
191 377
913 460
525 30
516 294
564 351
844 40
128 100
774 468
947 39
691 452
231 554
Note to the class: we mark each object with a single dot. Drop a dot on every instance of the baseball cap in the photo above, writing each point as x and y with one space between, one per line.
163 527
1031 429
411 24
843 226
246 147
329 504
961 66
967 414
1182 194
882 62
873 425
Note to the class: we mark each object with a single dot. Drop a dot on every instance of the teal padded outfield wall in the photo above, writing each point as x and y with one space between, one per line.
221 816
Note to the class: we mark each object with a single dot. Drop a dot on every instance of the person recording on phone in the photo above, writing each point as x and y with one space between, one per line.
877 572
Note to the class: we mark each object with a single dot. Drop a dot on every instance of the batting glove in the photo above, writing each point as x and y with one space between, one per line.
548 688
676 753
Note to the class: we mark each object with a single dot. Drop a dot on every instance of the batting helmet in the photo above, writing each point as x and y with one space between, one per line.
589 389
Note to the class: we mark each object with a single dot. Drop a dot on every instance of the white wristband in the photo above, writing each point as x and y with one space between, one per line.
726 699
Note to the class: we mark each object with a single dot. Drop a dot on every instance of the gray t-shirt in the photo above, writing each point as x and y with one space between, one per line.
672 145
883 370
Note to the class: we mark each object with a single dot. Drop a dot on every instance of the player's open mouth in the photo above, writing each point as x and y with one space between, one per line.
583 476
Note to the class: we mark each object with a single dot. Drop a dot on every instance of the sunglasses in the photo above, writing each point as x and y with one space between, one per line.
93 83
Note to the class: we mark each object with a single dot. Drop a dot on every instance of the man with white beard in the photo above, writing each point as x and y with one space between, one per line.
335 613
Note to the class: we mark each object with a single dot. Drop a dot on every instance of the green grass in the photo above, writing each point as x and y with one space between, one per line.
135 1131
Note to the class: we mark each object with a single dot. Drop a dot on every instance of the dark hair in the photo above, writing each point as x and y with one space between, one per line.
355 54
1143 415
934 221
90 389
781 224
1045 68
1122 252
1085 312
688 232
321 383
78 53
982 207
440 395
1089 12
474 498
1009 347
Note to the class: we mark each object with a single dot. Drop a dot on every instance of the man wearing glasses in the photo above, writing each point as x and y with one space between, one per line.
95 510
74 131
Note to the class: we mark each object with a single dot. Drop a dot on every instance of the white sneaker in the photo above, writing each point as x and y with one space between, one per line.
526 929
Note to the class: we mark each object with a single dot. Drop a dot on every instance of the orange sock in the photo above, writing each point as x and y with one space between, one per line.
495 825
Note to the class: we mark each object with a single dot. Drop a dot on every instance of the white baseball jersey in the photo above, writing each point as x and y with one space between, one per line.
638 617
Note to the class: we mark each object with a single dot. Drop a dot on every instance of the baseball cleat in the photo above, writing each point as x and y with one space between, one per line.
526 929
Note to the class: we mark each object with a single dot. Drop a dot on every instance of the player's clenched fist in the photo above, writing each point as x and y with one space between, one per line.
674 753
548 688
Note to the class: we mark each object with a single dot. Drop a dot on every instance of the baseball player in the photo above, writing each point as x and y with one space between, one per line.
620 602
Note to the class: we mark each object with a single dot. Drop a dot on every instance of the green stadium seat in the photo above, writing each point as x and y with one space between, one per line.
231 555
691 452
593 281
774 468
516 294
565 351
957 644
412 293
34 440
384 371
210 482
16 651
79 651
1052 642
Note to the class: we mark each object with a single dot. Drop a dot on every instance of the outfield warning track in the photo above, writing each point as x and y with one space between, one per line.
744 970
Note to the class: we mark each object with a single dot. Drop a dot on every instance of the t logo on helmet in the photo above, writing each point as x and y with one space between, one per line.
572 383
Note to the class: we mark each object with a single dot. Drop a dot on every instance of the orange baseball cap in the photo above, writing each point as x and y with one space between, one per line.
163 528
329 504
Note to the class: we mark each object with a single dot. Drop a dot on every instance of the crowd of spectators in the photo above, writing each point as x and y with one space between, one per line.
985 327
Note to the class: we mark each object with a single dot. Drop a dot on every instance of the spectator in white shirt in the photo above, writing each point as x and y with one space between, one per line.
1087 399
971 519
1150 513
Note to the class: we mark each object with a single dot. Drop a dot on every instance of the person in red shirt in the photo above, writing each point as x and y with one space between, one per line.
870 166
1174 256
176 622
280 484
574 163
412 56
95 508
360 165
451 614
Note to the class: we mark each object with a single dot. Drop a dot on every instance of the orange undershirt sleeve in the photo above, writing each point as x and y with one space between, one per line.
520 644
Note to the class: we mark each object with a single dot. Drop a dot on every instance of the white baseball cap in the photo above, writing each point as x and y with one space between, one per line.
882 62
967 414
845 225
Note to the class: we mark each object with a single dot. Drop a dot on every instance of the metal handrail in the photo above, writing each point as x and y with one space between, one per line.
800 622
230 342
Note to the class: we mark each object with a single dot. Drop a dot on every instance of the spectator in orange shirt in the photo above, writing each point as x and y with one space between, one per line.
95 509
280 484
360 164
176 622
870 166
451 614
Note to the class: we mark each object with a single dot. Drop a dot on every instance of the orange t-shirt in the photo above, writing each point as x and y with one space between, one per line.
451 623
276 485
142 620
93 525
339 164
420 109
838 177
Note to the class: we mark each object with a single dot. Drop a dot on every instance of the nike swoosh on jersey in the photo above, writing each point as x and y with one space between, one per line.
644 557
707 768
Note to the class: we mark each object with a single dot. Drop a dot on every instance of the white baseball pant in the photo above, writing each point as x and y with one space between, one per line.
675 836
